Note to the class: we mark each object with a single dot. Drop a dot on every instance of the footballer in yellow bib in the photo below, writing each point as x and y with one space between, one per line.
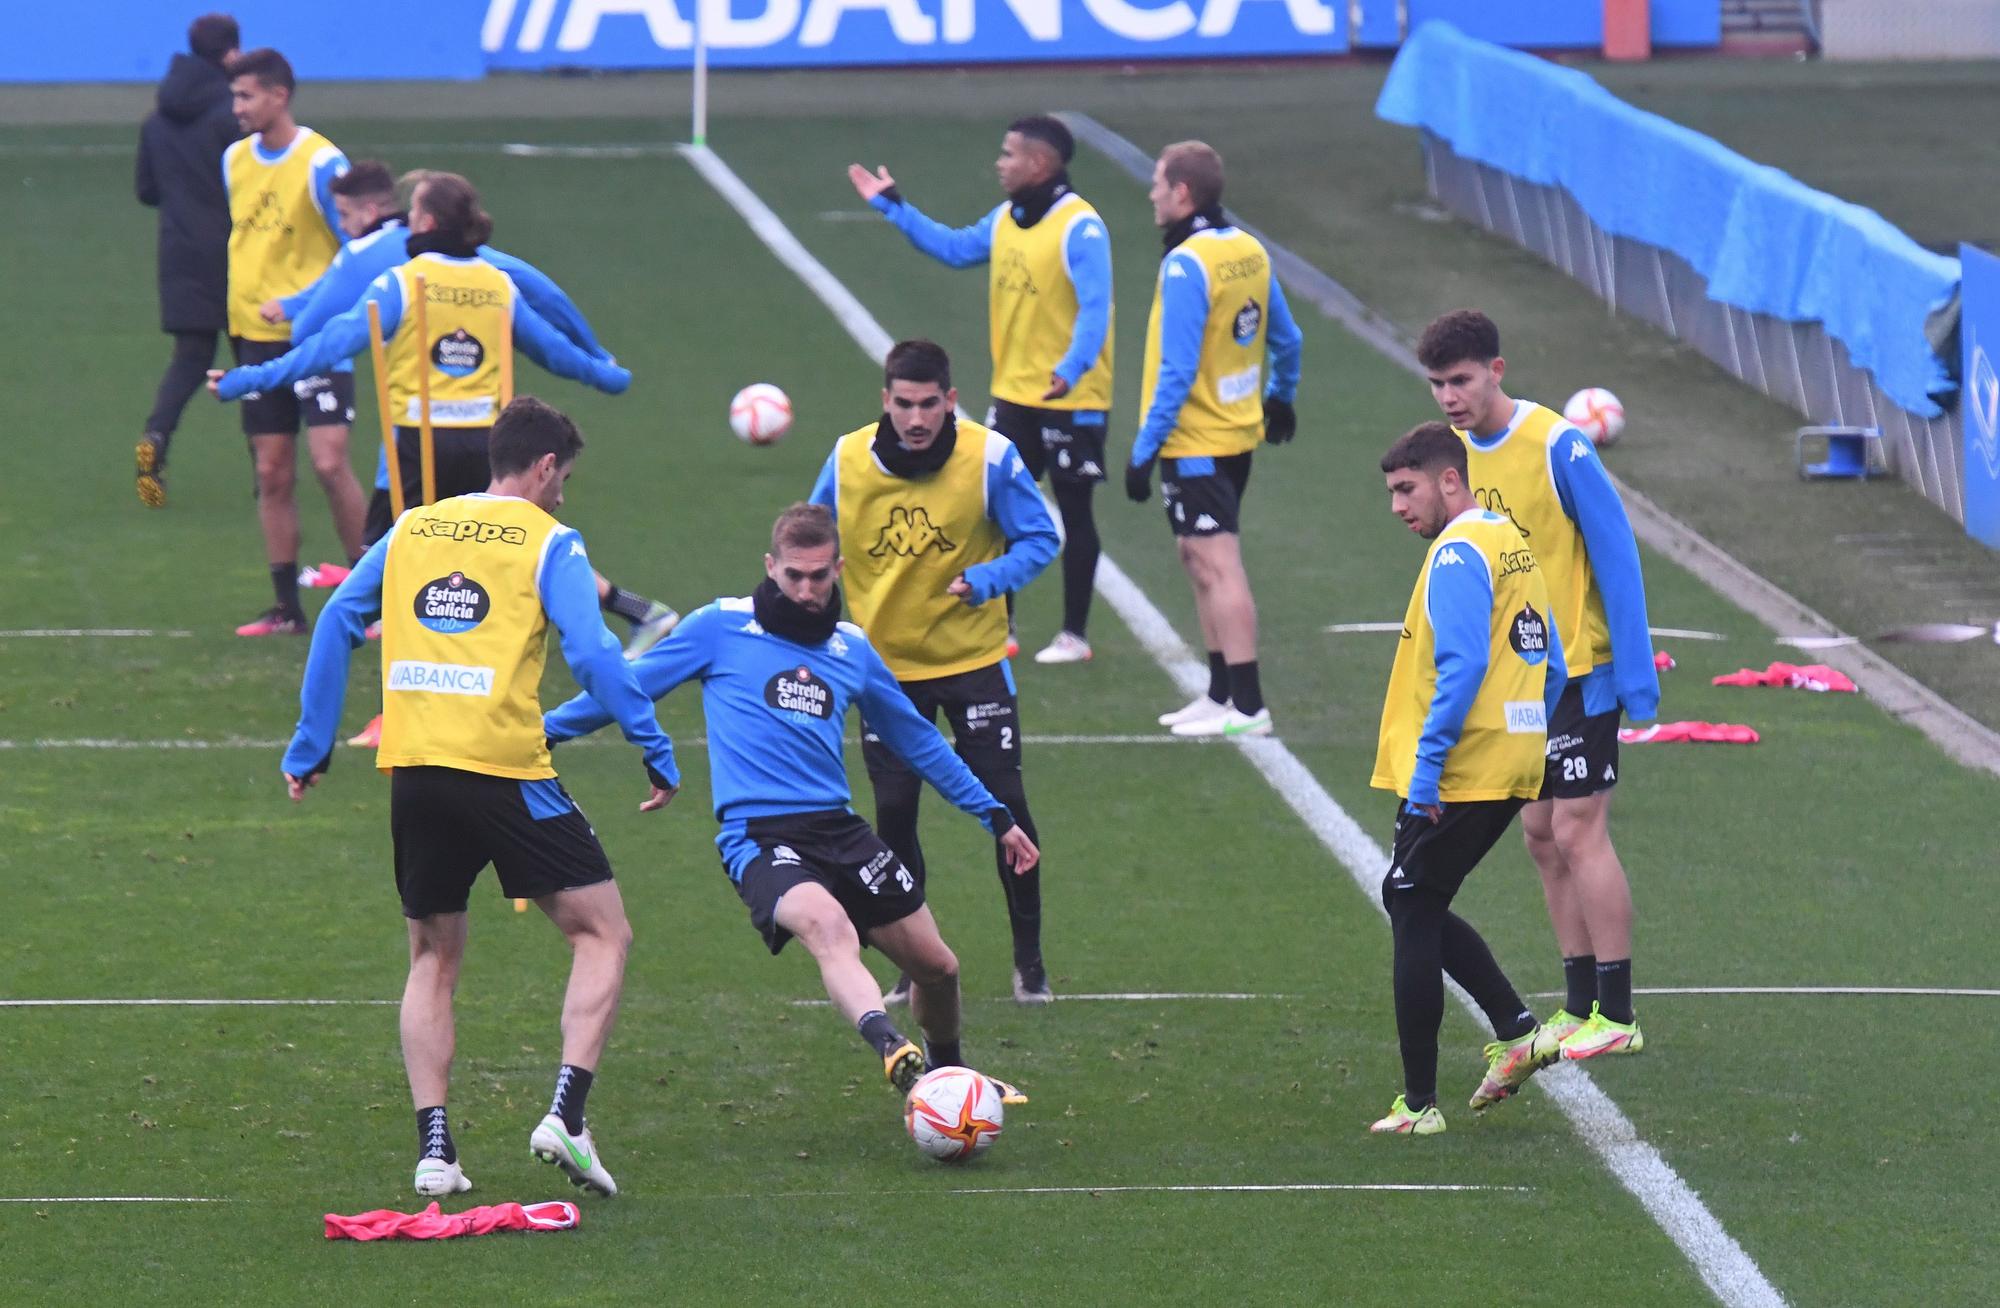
1048 258
467 589
1221 371
1545 477
938 521
1464 726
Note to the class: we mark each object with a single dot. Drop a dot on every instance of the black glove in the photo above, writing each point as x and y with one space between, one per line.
659 782
1139 481
1002 820
1281 420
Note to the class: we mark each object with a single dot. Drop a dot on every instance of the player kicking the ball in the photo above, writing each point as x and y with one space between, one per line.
779 672
1477 675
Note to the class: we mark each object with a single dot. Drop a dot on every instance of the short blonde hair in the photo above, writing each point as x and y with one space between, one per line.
1196 165
803 526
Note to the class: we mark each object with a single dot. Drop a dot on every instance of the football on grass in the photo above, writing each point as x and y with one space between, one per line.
760 414
953 1113
1596 413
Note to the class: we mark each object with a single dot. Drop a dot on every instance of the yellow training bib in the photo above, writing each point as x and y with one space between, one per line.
1512 477
1224 410
1501 748
468 310
1032 306
905 539
279 241
464 637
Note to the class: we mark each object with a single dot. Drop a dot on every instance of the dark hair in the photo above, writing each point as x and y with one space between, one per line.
526 430
1050 131
804 526
367 179
267 66
1461 336
212 36
1199 167
1428 447
917 361
452 200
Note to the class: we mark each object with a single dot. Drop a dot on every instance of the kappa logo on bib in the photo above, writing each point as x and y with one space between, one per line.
453 604
799 691
459 354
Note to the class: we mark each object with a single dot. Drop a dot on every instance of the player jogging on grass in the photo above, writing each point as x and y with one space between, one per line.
468 588
1545 476
939 519
281 237
1049 295
379 237
779 672
1219 320
1477 672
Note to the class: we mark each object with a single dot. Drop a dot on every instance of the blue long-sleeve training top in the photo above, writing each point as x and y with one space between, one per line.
1086 257
1459 603
1012 502
568 591
777 715
1183 324
1629 681
346 334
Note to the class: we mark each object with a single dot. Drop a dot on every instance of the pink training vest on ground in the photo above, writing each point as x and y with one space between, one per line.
432 1224
1700 733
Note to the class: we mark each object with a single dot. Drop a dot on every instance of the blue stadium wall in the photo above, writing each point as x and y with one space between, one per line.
130 40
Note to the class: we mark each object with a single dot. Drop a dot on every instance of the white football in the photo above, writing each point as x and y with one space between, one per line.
760 414
1597 413
953 1113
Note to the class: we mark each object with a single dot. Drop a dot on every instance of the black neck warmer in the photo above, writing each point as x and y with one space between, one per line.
791 620
901 461
436 242
1032 204
1198 221
386 219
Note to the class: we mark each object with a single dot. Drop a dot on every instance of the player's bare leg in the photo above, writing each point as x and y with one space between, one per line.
328 449
1228 613
437 947
592 918
1561 892
273 458
914 945
812 914
1582 829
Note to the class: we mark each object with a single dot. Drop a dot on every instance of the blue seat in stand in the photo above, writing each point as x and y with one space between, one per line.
1850 452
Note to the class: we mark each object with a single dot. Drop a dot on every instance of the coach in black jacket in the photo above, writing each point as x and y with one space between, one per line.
180 173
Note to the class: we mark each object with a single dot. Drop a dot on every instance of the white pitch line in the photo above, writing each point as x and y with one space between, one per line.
1920 991
113 1199
685 742
195 1003
34 633
90 742
1717 1258
638 150
1302 1187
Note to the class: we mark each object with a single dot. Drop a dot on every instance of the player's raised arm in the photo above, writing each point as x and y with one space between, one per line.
548 299
342 338
958 247
890 715
682 657
551 349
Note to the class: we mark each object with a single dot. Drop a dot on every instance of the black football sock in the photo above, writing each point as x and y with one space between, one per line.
572 1086
878 1031
1614 989
1218 677
1245 692
943 1053
285 585
434 1136
1022 890
1580 976
627 605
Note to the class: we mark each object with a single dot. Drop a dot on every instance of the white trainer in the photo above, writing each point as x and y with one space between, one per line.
1067 647
1198 709
575 1154
1230 723
437 1178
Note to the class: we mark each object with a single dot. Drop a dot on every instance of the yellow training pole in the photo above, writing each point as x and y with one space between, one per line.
380 354
425 449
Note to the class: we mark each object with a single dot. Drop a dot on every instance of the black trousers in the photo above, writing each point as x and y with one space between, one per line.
187 372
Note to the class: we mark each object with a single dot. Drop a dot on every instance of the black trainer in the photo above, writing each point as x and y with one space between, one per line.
1031 983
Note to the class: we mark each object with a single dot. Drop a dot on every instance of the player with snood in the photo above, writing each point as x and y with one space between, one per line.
779 671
